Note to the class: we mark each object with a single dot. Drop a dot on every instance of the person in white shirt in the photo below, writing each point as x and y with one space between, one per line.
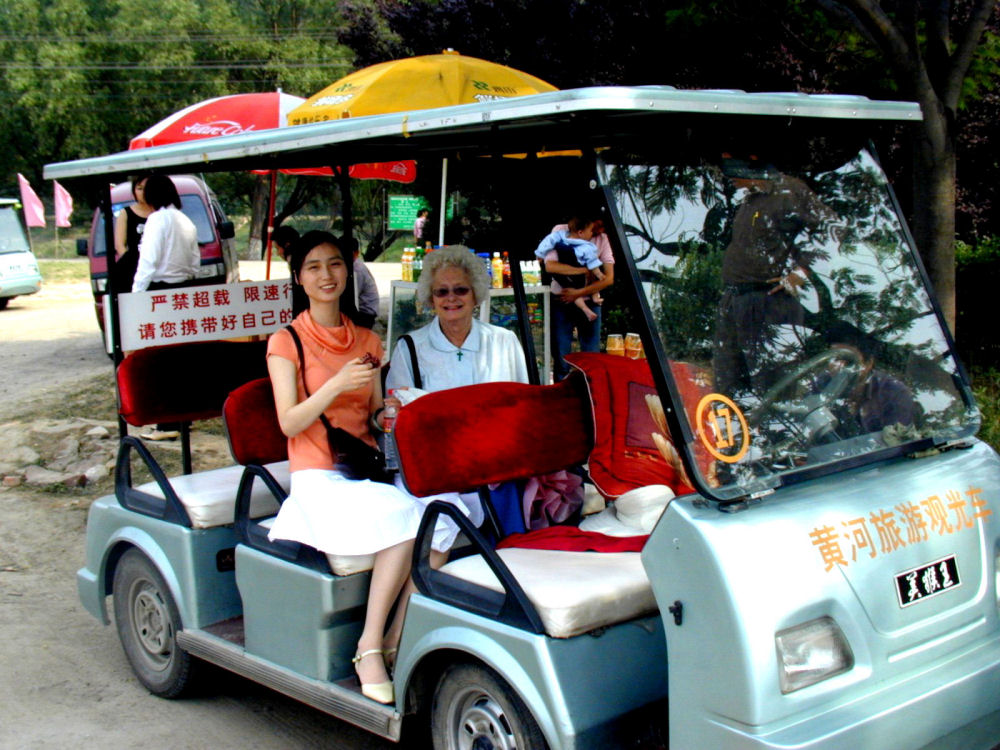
169 255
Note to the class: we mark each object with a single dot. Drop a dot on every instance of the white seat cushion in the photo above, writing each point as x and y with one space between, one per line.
341 565
574 592
209 497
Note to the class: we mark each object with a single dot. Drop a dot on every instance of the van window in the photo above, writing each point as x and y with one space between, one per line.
191 204
793 303
12 239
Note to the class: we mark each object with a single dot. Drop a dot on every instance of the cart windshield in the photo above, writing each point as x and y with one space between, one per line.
12 238
790 311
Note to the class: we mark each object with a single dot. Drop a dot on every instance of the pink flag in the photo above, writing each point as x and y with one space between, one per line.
34 213
64 205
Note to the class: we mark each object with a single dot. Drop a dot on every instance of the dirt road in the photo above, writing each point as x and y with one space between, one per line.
64 681
50 340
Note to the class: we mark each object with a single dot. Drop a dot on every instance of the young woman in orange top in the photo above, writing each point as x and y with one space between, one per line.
325 509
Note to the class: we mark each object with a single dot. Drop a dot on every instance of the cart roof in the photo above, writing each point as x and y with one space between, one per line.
549 120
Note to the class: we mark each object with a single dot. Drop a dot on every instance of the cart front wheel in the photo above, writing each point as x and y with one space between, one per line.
474 709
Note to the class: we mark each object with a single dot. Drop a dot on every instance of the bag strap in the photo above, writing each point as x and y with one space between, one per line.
414 365
302 371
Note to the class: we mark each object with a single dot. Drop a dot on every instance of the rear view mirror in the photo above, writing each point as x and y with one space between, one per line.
81 246
226 230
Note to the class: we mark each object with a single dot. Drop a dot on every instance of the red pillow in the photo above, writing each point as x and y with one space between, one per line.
463 438
624 455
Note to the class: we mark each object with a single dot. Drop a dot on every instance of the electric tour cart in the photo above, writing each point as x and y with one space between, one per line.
826 574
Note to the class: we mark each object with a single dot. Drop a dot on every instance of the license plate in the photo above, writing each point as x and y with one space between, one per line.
929 580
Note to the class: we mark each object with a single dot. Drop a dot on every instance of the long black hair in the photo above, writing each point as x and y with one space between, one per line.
296 257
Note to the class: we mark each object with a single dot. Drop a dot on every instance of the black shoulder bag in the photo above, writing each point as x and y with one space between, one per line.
352 457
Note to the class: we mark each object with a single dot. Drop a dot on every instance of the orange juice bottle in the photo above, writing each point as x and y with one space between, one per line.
496 267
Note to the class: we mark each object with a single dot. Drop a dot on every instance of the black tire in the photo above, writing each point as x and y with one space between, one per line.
148 622
474 708
4 301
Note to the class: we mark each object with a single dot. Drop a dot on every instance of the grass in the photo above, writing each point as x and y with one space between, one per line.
64 271
45 245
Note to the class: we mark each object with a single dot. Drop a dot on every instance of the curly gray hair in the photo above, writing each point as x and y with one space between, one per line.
454 256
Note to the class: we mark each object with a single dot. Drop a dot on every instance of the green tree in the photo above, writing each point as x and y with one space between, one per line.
931 48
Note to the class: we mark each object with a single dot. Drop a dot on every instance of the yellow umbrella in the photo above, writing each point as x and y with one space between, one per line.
422 82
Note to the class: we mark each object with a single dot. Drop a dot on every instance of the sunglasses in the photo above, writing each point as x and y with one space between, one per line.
442 291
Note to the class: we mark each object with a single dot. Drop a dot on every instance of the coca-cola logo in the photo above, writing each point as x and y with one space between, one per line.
219 127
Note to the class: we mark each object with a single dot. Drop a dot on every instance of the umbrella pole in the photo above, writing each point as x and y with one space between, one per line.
270 221
444 196
346 202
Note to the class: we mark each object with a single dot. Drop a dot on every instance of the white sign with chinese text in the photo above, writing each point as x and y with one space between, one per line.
203 313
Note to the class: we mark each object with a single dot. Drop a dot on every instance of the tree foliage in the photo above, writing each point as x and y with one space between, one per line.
82 77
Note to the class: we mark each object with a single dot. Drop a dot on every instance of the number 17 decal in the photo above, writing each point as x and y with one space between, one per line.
722 428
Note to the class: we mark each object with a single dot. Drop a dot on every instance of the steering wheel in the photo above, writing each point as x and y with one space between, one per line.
810 415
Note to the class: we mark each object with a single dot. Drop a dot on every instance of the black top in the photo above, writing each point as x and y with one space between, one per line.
125 266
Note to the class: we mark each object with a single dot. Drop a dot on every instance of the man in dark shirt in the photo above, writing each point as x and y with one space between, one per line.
763 268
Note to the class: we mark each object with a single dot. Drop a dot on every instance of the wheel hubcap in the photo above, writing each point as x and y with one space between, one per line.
481 724
151 624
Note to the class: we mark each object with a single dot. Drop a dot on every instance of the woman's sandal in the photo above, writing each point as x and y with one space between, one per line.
380 692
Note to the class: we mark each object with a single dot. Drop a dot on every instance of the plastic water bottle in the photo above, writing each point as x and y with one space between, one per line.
388 423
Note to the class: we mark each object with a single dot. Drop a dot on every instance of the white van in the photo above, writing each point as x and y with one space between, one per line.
18 267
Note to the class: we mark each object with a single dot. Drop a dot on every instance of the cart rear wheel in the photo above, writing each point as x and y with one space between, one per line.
474 709
148 622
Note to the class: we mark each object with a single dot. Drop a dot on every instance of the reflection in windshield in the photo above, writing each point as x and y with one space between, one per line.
794 297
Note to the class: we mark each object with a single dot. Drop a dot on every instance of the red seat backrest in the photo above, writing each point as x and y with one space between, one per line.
252 424
463 438
185 382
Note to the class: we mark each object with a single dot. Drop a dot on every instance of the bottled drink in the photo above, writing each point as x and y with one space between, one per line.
615 345
388 423
506 269
633 345
418 264
496 266
407 265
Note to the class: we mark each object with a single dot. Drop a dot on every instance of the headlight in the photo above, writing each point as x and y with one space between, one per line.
810 653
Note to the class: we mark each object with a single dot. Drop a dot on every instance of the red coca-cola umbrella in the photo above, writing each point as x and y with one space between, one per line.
245 113
223 115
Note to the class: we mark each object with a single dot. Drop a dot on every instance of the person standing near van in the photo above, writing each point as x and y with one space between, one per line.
129 226
169 255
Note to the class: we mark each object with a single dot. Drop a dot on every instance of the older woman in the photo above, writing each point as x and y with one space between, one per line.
453 350
456 348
